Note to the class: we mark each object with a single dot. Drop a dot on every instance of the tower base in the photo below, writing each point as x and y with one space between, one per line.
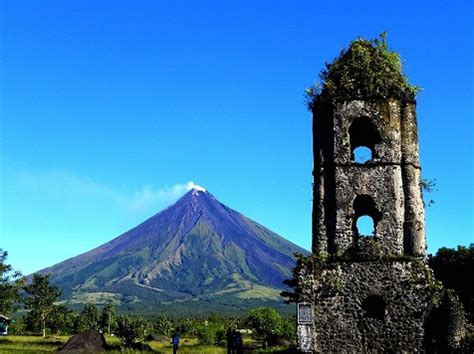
370 306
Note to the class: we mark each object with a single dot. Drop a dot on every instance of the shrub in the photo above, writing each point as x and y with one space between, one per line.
132 330
88 318
163 326
288 329
367 69
266 324
210 333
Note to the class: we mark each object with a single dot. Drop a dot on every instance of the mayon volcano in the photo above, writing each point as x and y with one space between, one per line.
196 249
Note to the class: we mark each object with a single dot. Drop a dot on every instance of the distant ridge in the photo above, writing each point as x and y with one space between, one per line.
196 249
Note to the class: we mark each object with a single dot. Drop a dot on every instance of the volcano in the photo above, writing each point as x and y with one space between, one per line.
198 248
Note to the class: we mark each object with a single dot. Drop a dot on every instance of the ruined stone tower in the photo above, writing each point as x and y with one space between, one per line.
357 292
386 188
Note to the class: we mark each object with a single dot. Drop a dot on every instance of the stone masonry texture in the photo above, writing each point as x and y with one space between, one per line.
369 293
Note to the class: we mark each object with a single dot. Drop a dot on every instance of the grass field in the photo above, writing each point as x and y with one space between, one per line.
38 344
31 344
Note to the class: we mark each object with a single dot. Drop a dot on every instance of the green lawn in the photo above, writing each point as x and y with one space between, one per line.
31 344
38 344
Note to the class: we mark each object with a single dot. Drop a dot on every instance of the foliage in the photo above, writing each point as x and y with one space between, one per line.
88 318
288 329
188 326
132 330
107 319
367 69
164 326
266 324
313 264
32 322
40 298
61 320
210 332
454 268
428 186
17 327
467 344
11 282
368 248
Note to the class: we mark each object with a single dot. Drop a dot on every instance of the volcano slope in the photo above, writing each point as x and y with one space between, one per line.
197 249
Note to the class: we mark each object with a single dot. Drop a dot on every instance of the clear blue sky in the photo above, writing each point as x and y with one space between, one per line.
109 108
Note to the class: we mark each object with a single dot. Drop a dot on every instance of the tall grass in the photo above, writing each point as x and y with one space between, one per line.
37 345
31 344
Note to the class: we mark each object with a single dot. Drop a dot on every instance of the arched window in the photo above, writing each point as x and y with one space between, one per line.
365 226
362 154
374 307
366 216
363 133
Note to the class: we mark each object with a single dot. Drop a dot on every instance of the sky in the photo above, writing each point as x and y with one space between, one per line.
110 109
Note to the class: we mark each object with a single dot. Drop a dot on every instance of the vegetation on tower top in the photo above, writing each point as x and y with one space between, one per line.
367 69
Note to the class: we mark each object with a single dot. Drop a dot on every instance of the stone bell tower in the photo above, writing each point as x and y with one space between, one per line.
357 292
386 188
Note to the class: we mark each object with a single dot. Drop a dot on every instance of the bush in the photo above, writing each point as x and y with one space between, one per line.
210 333
266 324
132 330
61 320
17 328
288 329
164 326
367 69
453 267
88 318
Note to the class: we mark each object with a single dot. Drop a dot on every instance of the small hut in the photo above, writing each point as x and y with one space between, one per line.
4 322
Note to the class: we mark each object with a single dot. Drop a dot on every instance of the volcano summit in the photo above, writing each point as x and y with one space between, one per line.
196 249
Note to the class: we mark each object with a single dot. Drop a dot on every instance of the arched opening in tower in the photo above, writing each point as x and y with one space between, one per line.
365 226
374 307
366 216
362 154
364 136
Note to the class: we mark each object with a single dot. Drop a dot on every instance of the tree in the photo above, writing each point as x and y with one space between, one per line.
132 330
107 318
61 320
266 324
40 298
164 326
32 322
188 326
11 282
88 318
210 332
453 267
288 329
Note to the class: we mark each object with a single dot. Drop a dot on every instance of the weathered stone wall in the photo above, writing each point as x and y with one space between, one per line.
384 185
414 227
383 114
345 322
391 178
365 269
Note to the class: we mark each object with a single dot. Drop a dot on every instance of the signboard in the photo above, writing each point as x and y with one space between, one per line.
305 313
